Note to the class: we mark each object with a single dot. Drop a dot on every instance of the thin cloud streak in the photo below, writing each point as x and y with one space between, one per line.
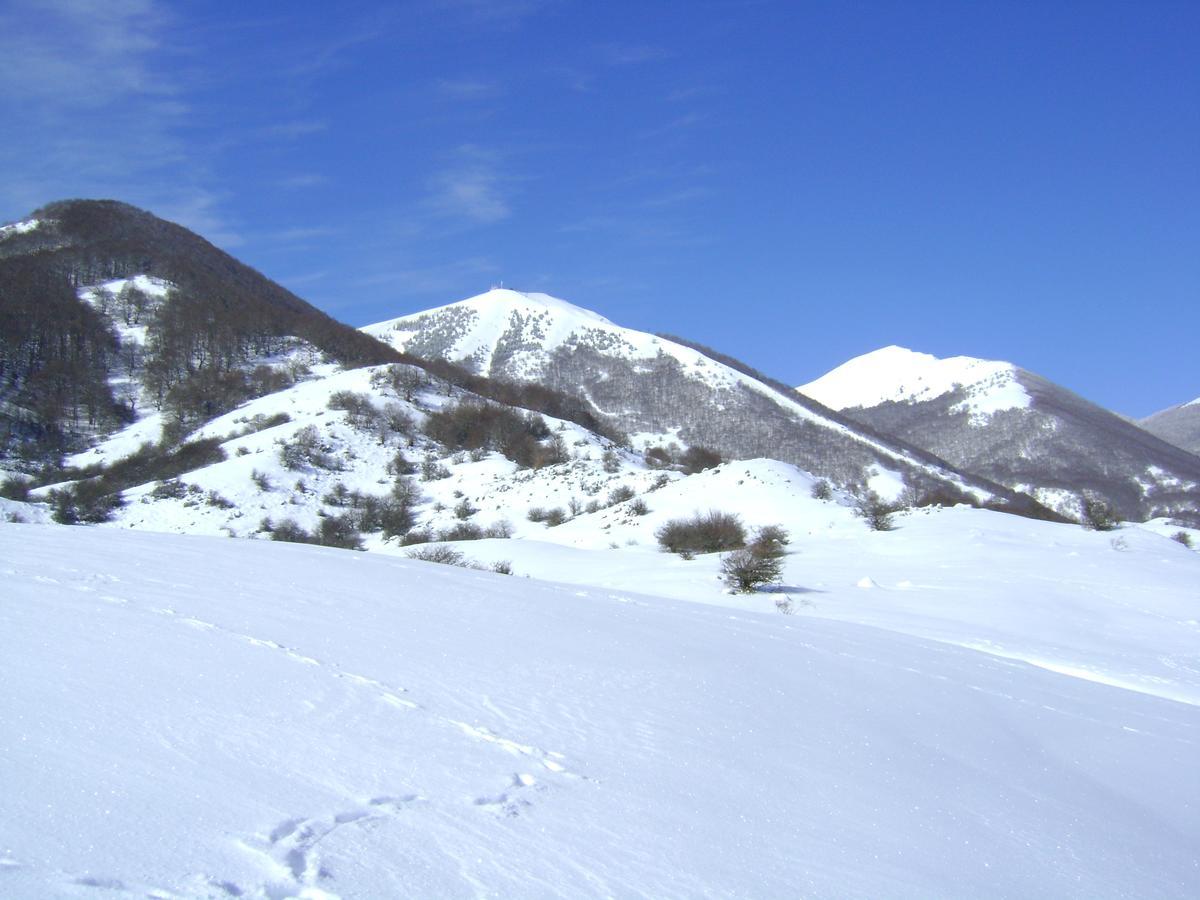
471 189
92 112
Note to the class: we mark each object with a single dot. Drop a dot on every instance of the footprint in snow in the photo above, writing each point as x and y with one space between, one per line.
291 845
511 802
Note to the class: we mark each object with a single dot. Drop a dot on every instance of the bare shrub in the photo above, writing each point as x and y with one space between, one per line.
697 459
439 553
711 532
620 494
770 542
744 570
15 488
307 449
501 529
1097 514
875 511
86 502
462 531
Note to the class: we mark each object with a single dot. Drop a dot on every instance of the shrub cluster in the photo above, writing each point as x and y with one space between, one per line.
473 425
1097 514
306 450
448 556
690 461
759 563
363 415
875 511
710 532
552 517
85 502
334 531
96 495
393 514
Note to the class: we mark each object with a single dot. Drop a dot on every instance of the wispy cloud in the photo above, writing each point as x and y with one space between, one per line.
90 110
488 13
679 123
79 53
299 234
639 228
293 130
471 188
467 89
677 198
458 274
297 281
617 54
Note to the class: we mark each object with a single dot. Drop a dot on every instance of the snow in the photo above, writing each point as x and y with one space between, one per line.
19 228
202 717
895 374
480 323
972 704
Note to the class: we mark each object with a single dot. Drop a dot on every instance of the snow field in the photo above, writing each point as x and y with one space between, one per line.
197 717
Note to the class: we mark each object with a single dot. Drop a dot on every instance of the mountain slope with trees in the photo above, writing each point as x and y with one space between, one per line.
1179 425
663 390
58 352
1016 428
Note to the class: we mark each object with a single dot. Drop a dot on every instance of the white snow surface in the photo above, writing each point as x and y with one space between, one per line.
900 375
201 717
19 228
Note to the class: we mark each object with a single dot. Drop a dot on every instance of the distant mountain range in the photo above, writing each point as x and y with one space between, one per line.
1179 425
113 321
659 390
1014 427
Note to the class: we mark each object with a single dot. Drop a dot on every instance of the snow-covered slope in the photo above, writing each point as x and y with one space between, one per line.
18 228
1015 428
895 374
1179 425
196 717
661 390
515 334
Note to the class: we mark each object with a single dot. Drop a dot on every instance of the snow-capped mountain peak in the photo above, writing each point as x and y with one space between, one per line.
896 374
514 333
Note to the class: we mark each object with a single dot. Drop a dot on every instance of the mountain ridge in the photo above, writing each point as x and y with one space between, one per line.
654 388
1018 428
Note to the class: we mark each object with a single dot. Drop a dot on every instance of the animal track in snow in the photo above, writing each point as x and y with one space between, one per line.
292 846
548 758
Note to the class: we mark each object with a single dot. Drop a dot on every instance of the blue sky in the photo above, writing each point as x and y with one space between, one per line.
794 183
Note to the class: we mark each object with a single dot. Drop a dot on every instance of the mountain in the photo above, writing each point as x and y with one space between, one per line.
1179 425
661 391
96 289
1016 428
